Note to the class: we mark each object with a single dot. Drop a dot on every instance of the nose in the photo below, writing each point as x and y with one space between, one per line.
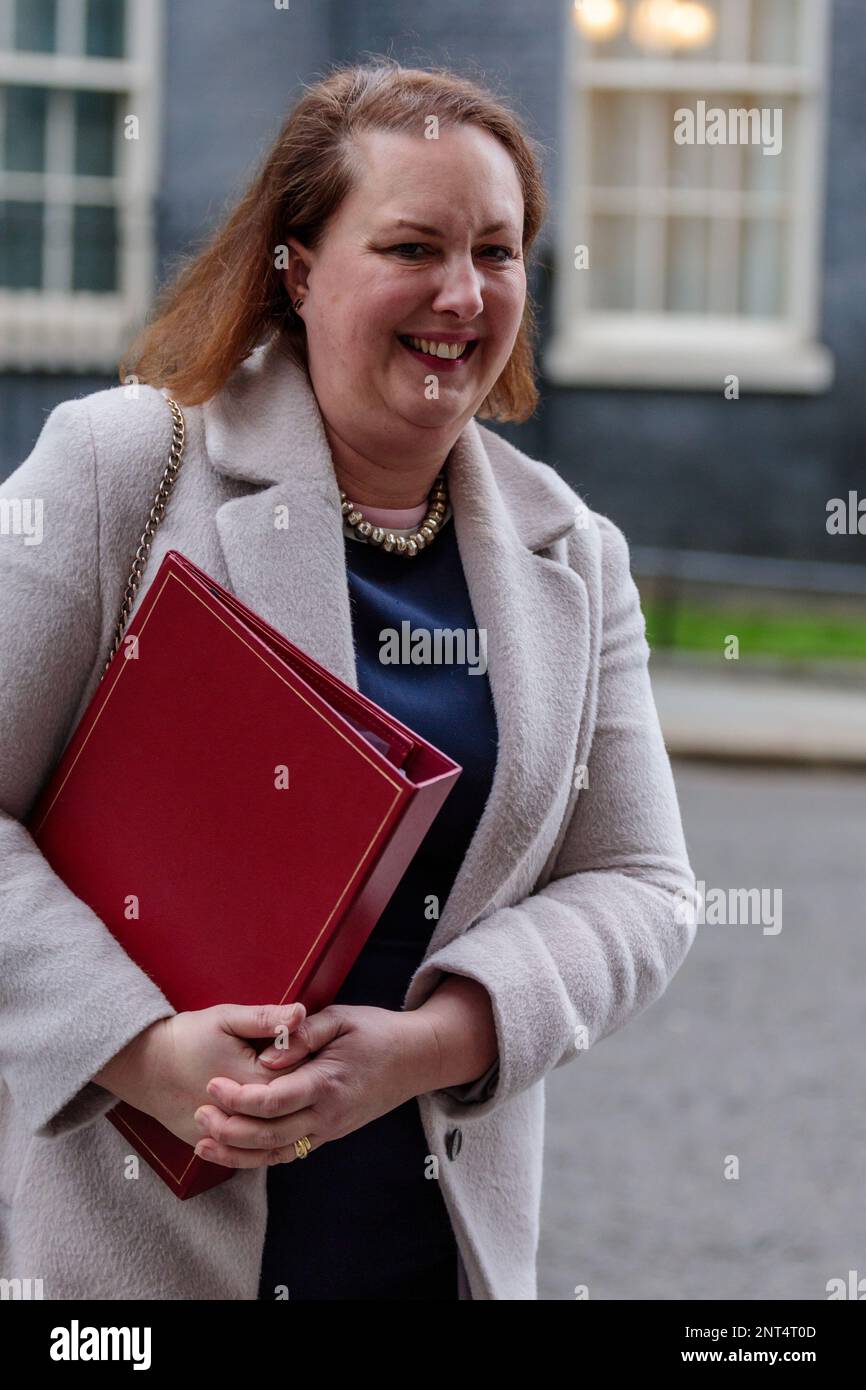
459 289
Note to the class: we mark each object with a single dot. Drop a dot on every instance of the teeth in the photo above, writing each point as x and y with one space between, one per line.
452 350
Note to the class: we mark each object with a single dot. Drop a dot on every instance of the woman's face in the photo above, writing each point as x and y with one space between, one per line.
427 245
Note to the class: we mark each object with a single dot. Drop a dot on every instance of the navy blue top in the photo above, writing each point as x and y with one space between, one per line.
358 1219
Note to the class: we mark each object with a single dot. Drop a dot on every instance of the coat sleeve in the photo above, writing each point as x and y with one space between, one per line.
70 997
575 961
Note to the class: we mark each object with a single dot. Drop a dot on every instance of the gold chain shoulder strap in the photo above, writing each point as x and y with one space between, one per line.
157 512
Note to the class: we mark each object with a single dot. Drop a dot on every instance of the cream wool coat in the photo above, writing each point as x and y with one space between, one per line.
568 905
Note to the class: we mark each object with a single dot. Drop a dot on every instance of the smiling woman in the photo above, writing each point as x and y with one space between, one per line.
358 165
454 302
334 372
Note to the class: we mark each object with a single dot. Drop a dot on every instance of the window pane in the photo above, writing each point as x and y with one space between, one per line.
614 139
774 31
771 173
727 133
36 25
723 252
761 268
695 30
21 245
687 266
612 263
105 28
94 132
24 143
689 165
604 28
95 249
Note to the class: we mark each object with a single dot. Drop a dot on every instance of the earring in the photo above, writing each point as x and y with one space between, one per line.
297 304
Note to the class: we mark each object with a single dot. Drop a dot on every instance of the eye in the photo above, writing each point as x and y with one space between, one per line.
407 246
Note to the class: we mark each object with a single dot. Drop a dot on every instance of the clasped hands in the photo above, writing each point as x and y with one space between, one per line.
327 1074
338 1070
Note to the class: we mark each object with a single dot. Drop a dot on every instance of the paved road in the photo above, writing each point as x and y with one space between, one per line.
756 1051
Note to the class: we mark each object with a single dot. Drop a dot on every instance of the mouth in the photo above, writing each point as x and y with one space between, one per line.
447 356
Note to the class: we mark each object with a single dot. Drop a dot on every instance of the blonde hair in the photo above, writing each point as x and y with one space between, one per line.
229 296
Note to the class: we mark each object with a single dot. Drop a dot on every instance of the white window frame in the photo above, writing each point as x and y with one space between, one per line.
83 331
694 352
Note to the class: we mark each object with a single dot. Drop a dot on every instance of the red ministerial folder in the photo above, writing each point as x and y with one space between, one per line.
236 815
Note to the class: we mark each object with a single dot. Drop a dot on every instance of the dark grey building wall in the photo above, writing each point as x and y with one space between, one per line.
673 467
232 72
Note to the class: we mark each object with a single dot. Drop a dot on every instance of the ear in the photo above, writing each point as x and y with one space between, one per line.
300 263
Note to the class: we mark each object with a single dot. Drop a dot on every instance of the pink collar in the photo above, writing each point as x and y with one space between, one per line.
403 518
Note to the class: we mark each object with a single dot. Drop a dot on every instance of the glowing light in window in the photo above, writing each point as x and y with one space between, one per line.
679 24
599 19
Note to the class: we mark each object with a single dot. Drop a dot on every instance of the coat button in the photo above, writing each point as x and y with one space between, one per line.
453 1142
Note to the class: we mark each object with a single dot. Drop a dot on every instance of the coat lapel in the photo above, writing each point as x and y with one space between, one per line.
265 427
295 578
283 545
535 612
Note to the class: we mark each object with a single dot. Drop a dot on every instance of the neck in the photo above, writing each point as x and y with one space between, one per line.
385 481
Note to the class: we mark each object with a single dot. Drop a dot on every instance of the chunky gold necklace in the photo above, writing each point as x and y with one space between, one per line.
422 536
